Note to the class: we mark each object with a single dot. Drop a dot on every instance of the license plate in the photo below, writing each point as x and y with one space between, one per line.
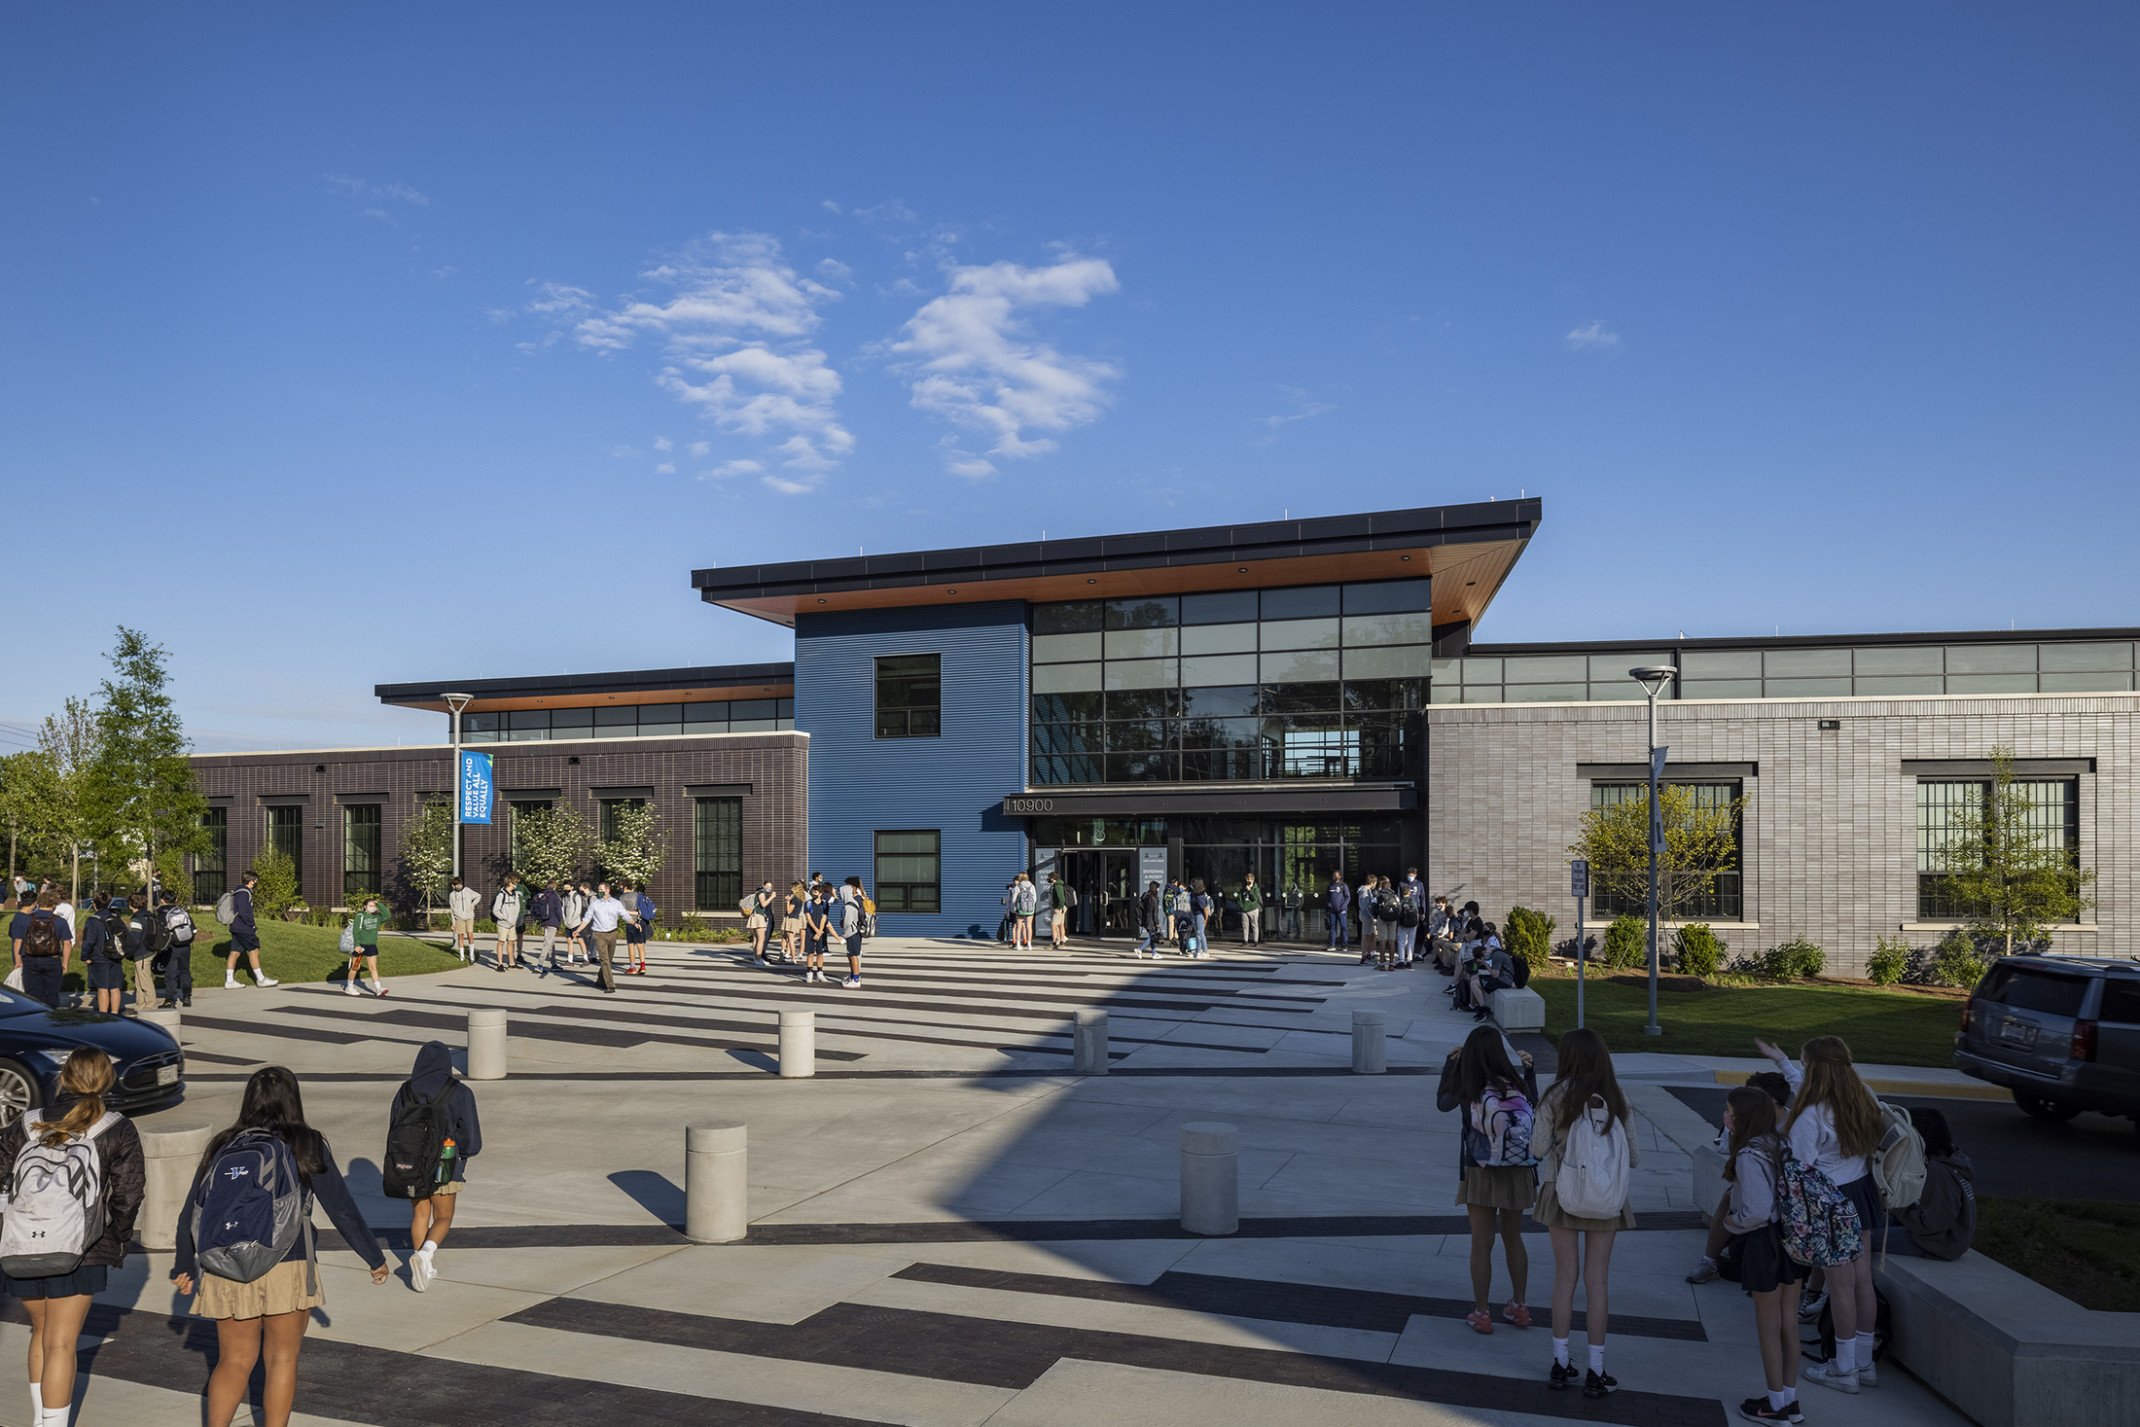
167 1075
2017 1032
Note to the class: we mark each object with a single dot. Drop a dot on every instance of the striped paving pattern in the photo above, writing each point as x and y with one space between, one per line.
979 1008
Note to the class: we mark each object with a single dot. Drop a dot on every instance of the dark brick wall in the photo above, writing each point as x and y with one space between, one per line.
775 810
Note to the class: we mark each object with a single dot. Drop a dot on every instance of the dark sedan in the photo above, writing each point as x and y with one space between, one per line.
35 1042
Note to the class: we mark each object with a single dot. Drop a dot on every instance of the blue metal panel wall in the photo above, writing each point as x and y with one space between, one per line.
860 783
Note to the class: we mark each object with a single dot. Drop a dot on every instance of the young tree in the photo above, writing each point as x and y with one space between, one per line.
1700 840
277 888
30 798
2015 878
635 851
140 789
68 742
427 854
550 844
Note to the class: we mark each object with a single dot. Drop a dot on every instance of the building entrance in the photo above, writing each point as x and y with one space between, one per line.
1105 880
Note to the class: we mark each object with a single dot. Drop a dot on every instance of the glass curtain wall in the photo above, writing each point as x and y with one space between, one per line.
1316 682
629 721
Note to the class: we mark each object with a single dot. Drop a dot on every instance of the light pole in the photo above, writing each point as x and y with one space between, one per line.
1653 678
457 702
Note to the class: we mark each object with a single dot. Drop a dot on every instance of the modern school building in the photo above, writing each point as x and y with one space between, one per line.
1289 698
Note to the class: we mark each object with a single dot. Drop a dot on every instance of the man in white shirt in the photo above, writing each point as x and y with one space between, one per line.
603 914
461 904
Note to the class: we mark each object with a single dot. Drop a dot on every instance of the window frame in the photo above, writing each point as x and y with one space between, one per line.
716 888
355 834
211 869
287 818
1726 900
905 716
1932 903
896 895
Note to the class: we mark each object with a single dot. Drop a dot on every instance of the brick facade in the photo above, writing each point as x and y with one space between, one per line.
769 771
1831 823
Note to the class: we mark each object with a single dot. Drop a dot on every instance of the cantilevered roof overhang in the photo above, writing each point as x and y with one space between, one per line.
1468 549
566 691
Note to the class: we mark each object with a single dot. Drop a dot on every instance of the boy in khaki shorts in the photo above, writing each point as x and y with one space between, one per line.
461 904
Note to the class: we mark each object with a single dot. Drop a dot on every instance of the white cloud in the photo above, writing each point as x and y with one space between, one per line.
358 190
969 358
662 443
833 270
1303 407
701 448
1593 335
731 468
665 469
890 211
788 487
733 320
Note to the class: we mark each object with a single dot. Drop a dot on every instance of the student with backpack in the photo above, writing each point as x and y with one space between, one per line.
431 1133
1834 1127
244 934
1025 904
461 904
41 942
1492 969
245 1249
507 908
759 911
1337 901
572 915
75 1183
1198 942
1582 1136
1778 1088
791 924
1251 901
360 943
1059 895
817 930
1944 1219
1754 1255
549 913
104 954
641 923
1148 921
137 950
173 924
1497 1177
856 909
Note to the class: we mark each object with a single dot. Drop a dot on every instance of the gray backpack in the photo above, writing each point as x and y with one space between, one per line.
250 1208
55 1203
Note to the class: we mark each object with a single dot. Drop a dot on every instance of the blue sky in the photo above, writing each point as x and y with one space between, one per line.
445 341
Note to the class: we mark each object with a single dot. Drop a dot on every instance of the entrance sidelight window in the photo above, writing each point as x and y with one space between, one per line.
909 871
910 696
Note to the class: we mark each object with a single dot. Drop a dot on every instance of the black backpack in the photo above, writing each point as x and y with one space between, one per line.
155 932
415 1146
1408 913
114 932
1519 971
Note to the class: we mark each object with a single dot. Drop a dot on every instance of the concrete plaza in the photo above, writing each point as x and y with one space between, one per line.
947 1226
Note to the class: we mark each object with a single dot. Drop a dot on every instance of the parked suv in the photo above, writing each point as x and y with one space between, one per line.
2062 1033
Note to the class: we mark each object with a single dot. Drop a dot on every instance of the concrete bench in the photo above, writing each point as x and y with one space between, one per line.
1519 1009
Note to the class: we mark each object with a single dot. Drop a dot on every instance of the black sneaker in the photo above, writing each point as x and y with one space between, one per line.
1756 1409
1597 1384
1561 1375
165 1004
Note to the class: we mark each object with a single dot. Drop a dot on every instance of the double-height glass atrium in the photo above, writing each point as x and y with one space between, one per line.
1314 682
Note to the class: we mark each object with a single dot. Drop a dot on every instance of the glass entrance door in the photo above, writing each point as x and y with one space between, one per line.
1104 879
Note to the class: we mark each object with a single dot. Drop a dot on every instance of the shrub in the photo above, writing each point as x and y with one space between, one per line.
1698 951
1626 943
1890 961
1529 934
1956 961
1797 959
277 889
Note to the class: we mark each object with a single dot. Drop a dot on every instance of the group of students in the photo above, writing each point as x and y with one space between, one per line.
47 933
245 1251
1179 915
580 922
1816 1169
809 919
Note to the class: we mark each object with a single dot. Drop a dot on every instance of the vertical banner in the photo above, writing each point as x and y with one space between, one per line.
476 787
1151 867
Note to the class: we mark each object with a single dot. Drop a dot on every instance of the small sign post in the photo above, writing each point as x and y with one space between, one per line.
1579 888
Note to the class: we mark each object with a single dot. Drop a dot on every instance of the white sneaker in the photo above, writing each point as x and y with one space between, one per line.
378 988
1827 1375
420 1271
265 981
1868 1376
231 981
852 982
350 987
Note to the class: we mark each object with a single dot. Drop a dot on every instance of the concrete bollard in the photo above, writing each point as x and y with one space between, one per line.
486 1044
1210 1178
798 1044
1088 1044
716 1182
167 1019
170 1157
1369 1052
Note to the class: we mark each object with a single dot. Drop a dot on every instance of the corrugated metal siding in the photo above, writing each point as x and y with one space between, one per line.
860 784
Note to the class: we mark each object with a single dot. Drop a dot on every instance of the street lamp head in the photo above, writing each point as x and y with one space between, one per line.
457 702
1653 677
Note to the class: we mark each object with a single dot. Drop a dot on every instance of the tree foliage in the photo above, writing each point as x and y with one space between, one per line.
1529 935
1700 840
551 845
2015 878
634 852
140 789
276 891
426 855
1626 943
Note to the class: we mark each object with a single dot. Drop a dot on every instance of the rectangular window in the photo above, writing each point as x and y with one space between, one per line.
1726 898
514 812
286 834
211 869
360 852
717 857
609 816
909 871
910 696
1947 810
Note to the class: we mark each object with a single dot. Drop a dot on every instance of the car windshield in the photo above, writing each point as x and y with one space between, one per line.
2026 988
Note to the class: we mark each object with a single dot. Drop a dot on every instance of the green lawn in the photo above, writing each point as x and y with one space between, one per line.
1882 1027
291 951
2087 1251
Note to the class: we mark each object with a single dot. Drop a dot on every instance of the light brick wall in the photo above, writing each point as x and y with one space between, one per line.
1831 817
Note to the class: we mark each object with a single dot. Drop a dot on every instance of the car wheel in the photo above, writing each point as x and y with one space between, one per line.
2044 1109
18 1092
